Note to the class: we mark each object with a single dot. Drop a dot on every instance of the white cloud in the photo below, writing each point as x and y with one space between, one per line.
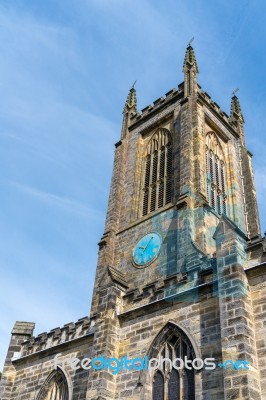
64 203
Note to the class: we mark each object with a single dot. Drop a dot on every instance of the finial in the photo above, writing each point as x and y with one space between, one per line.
236 113
234 92
191 40
190 58
131 102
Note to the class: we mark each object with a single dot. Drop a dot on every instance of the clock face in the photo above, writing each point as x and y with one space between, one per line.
147 249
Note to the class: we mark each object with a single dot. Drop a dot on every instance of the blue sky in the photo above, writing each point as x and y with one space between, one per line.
65 70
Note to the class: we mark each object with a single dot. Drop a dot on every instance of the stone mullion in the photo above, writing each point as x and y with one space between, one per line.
50 392
54 392
181 384
166 380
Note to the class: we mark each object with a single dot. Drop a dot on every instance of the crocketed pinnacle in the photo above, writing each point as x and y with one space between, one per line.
190 59
236 108
131 102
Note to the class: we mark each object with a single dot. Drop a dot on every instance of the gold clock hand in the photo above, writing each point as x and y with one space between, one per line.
148 244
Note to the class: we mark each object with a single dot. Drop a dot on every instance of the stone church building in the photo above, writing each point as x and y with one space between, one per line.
181 268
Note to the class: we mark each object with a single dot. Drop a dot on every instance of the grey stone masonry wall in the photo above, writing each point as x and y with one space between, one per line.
197 312
33 371
256 273
21 332
257 281
108 241
30 360
237 319
105 344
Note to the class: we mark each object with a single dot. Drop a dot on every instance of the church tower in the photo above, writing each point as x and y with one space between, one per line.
181 267
171 275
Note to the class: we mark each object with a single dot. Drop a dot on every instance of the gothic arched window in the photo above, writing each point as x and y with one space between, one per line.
157 182
170 383
215 171
55 387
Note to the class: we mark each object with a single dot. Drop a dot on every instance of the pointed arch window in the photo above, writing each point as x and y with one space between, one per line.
157 181
215 174
170 383
55 387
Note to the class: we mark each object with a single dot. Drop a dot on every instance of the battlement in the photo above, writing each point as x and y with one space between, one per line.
153 107
214 105
174 94
175 285
57 336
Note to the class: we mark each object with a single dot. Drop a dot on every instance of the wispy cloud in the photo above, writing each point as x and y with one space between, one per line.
63 203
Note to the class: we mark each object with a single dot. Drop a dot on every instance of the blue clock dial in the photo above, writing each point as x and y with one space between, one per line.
147 249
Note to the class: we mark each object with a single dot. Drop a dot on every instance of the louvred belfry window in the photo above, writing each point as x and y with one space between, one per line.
215 174
157 182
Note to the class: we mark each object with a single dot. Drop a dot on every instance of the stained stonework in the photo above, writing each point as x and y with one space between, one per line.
205 289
